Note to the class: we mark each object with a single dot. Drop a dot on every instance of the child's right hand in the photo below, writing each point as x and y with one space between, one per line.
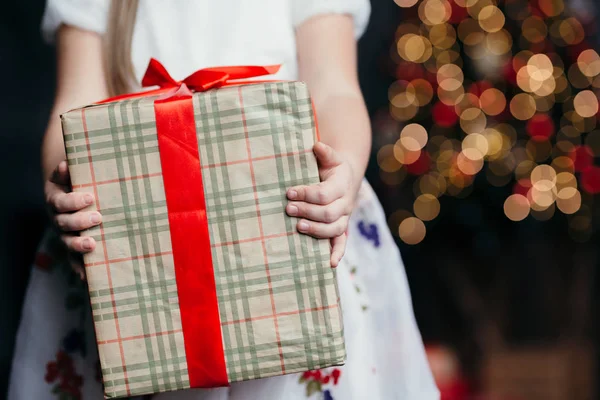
66 209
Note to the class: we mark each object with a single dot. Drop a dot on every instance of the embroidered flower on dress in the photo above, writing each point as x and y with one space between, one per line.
371 233
315 380
62 371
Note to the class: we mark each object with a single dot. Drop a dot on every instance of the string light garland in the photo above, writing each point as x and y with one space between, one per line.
524 113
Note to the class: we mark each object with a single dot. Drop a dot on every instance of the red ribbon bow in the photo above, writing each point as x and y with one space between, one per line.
204 79
200 81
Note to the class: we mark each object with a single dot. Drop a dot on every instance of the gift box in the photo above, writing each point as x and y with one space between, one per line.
199 278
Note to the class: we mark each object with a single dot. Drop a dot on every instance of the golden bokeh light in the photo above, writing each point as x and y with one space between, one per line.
442 36
520 59
586 103
525 116
403 155
499 43
466 3
516 207
434 12
568 200
544 103
450 77
589 63
524 168
468 166
414 48
426 207
423 91
543 177
406 3
402 94
492 101
413 137
562 164
446 57
571 31
403 113
464 102
396 218
475 8
450 98
475 146
386 160
534 29
577 79
491 19
522 106
473 120
412 230
494 140
432 183
565 180
470 33
541 197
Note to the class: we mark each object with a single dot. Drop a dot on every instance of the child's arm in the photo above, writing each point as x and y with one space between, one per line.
80 81
327 63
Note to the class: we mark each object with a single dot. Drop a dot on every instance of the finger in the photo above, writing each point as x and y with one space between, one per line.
328 214
77 221
73 201
60 175
321 230
322 193
327 157
79 244
338 249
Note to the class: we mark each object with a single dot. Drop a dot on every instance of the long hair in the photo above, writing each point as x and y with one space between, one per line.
120 75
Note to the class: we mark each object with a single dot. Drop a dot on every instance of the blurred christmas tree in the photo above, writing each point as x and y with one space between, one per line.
500 91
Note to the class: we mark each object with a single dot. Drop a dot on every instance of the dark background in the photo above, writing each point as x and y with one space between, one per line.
478 280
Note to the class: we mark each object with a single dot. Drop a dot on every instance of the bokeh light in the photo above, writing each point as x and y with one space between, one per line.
412 230
505 91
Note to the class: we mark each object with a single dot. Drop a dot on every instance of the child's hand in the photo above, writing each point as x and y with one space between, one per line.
325 208
66 207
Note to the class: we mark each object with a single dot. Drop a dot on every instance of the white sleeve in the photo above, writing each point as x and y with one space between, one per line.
90 15
358 9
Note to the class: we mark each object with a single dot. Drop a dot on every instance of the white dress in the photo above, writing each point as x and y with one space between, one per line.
55 356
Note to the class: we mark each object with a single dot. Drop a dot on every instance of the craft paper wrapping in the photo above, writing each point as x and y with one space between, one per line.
276 296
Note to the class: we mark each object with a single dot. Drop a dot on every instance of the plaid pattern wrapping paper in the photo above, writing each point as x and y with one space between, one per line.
277 296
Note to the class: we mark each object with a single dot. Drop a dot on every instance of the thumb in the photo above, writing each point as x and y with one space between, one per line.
60 175
326 155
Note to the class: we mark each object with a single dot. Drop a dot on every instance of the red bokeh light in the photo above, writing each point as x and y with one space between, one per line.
444 115
522 187
540 127
582 157
420 166
590 180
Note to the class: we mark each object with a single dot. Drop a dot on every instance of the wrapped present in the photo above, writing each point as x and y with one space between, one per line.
199 278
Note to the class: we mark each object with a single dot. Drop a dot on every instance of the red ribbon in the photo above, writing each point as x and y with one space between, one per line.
200 81
182 176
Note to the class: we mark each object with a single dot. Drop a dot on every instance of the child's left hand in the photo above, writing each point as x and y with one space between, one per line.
325 208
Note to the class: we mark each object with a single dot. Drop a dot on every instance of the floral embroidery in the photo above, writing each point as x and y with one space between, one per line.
68 382
315 380
371 233
356 287
61 372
